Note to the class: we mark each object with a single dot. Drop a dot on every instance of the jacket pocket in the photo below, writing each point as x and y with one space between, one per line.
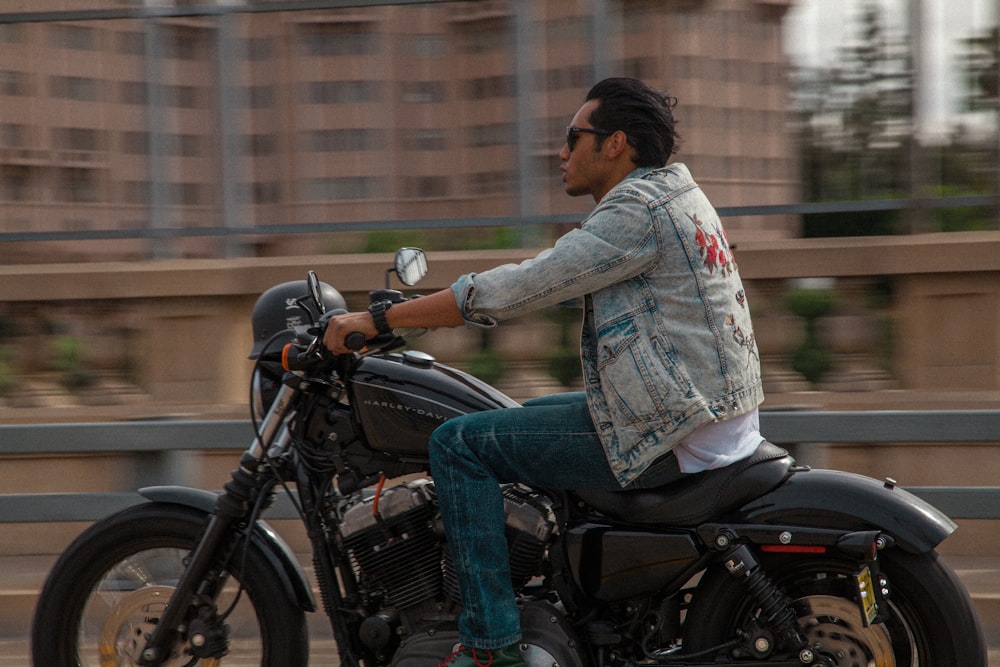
639 378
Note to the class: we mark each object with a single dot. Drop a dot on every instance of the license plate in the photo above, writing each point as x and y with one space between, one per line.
867 598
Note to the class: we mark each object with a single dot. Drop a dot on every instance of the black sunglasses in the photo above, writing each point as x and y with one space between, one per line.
573 133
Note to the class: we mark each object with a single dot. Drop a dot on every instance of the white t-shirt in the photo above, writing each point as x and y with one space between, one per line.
718 444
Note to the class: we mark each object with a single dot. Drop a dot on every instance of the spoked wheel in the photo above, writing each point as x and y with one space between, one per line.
929 622
106 593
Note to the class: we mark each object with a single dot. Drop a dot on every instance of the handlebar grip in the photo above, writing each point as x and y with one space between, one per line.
355 340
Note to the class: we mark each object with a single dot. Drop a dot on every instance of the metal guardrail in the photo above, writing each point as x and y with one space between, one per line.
323 227
158 444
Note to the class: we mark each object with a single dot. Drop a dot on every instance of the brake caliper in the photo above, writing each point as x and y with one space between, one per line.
208 636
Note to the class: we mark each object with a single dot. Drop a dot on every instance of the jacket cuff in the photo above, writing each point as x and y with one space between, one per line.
464 290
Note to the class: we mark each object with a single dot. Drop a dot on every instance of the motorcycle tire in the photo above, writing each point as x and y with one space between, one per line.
930 620
103 595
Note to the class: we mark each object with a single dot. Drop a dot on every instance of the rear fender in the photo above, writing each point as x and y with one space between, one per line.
274 549
846 501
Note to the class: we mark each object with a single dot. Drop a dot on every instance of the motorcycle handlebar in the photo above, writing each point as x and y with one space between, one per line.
302 356
355 341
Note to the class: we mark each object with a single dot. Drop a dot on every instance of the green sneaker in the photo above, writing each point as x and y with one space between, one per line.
466 656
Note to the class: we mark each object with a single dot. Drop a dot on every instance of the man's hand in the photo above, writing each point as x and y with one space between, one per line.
341 325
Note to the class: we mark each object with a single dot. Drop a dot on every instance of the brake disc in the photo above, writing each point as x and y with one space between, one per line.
128 625
835 630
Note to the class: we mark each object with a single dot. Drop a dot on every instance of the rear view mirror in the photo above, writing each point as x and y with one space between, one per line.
315 293
411 265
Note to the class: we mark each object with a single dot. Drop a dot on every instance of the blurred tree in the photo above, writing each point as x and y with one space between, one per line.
980 63
857 135
856 118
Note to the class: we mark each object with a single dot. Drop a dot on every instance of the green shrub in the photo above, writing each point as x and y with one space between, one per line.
810 360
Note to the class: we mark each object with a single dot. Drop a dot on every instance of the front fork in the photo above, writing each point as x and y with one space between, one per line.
213 549
212 552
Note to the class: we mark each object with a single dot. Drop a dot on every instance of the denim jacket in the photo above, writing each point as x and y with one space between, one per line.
667 343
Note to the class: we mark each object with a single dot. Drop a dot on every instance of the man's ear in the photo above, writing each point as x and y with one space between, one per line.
616 144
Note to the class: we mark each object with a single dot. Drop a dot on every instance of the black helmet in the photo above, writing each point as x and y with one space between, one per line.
278 310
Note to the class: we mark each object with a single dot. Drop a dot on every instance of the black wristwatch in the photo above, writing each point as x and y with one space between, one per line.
377 311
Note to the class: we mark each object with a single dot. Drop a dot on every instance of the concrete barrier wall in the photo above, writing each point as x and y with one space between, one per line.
179 330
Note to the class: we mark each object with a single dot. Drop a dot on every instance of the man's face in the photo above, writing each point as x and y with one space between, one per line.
581 168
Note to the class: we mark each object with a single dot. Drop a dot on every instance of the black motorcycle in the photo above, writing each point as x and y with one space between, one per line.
761 563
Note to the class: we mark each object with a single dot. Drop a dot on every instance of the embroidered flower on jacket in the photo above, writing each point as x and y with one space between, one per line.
745 340
713 247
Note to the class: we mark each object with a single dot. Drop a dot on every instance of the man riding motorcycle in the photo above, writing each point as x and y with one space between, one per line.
671 368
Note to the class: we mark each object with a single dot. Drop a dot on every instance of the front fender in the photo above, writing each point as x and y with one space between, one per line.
842 500
277 552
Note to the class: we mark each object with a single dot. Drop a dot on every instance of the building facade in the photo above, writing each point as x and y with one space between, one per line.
232 134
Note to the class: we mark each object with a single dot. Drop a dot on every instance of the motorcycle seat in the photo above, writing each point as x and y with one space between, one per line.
698 497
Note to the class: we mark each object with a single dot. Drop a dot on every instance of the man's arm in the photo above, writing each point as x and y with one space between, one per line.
436 310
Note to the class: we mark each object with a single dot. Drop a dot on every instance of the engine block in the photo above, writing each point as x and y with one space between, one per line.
395 551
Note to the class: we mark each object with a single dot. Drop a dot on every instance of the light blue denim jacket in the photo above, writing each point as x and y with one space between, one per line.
667 343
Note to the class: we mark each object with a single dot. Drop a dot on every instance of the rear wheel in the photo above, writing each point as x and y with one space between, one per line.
930 618
106 593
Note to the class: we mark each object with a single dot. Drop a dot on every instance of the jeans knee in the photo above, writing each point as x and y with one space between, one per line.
442 442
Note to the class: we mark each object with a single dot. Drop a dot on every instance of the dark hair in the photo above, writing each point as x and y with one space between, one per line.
643 114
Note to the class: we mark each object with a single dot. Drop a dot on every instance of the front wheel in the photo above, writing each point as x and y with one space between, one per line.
105 594
930 621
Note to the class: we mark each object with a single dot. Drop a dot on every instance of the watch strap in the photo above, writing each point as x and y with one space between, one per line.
377 311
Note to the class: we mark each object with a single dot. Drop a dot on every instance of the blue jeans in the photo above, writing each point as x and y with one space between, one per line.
549 442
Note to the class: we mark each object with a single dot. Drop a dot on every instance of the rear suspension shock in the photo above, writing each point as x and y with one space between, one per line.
776 611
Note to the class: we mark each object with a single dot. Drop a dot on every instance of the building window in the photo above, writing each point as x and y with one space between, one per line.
490 182
13 83
135 143
424 187
76 138
76 88
341 92
186 194
485 36
137 192
640 68
576 76
184 43
259 48
15 183
344 187
134 93
258 145
338 39
258 97
72 37
490 87
424 92
77 185
495 134
427 46
334 141
425 140
12 135
184 145
260 192
181 97
131 43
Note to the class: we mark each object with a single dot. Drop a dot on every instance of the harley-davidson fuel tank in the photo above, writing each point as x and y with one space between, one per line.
401 398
